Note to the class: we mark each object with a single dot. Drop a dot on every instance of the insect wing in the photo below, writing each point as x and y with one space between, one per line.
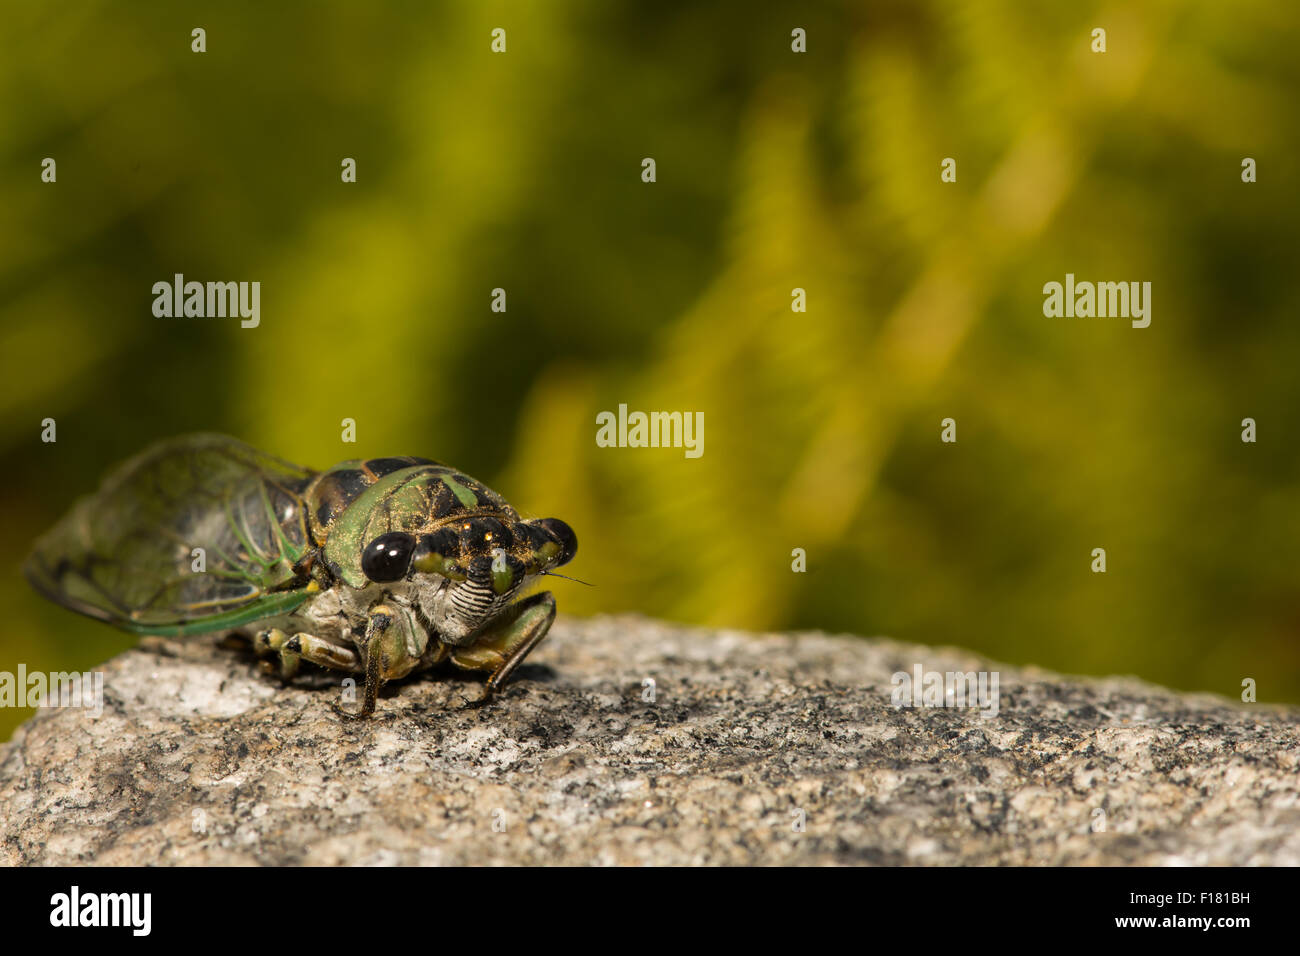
128 553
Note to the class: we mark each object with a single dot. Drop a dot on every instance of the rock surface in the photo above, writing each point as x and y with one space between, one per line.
771 749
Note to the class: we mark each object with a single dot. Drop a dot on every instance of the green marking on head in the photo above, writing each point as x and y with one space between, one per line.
507 571
464 495
437 553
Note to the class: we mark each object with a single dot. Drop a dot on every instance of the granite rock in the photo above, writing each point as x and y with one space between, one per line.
630 741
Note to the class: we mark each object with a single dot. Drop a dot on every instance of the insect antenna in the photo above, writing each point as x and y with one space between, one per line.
554 574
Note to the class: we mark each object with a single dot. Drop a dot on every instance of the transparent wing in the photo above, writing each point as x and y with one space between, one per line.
126 554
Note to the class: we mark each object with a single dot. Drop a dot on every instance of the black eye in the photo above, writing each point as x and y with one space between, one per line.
564 537
387 557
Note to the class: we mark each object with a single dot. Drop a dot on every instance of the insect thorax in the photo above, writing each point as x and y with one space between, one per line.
355 502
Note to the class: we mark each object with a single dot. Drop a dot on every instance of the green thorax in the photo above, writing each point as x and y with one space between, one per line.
354 502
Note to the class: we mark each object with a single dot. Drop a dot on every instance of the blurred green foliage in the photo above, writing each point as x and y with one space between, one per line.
775 170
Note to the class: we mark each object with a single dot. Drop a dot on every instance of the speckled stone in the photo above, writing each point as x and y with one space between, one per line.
771 749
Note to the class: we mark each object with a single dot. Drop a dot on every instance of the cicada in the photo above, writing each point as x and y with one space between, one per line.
380 567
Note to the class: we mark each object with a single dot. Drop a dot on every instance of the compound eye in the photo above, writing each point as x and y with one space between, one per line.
564 537
387 557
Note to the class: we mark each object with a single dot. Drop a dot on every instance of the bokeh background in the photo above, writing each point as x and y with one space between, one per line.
775 170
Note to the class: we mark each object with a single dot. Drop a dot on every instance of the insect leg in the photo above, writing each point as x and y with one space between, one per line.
296 648
323 652
503 646
393 648
374 668
270 643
